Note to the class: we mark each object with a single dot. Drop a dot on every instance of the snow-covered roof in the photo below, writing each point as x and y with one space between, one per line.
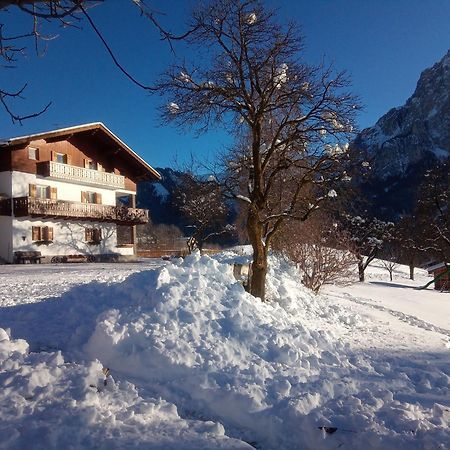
79 129
436 266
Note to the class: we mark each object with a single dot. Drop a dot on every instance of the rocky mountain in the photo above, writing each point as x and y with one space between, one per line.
406 141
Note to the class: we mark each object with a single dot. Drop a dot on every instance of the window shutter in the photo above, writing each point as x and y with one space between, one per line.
49 233
88 234
53 155
98 198
36 233
86 163
53 193
32 190
45 233
83 197
100 167
69 159
33 153
97 235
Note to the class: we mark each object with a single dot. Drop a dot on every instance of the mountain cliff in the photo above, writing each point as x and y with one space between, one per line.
406 141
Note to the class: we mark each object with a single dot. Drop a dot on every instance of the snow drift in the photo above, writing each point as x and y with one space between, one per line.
278 375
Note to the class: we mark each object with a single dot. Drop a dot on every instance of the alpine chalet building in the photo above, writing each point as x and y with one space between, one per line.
70 195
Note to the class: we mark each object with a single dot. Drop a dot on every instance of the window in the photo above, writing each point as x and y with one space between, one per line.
42 234
93 235
89 164
94 165
61 158
91 197
42 191
33 153
125 236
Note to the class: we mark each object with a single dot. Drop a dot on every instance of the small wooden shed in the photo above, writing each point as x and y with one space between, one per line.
441 275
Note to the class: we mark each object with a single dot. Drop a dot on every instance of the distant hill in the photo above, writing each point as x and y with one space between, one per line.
158 198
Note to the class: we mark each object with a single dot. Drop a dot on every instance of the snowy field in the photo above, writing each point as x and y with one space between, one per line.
177 355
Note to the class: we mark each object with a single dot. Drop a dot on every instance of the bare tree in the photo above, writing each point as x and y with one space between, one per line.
201 203
319 250
425 233
14 46
390 259
291 120
390 266
367 237
407 239
66 13
433 211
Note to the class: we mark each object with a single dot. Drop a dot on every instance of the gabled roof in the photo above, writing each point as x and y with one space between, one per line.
145 171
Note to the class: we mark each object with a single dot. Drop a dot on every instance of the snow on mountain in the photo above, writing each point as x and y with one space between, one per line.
416 131
196 362
161 191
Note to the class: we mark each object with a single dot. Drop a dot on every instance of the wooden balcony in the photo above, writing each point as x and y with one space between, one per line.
46 208
82 175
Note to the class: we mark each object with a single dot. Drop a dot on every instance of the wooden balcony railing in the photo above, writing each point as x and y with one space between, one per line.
38 207
66 172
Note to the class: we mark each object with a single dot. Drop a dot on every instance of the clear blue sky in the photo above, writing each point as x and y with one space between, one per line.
383 44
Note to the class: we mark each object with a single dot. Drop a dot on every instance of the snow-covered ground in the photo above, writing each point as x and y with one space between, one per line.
197 363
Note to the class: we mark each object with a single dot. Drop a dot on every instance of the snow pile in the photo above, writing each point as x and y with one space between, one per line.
56 404
292 373
272 373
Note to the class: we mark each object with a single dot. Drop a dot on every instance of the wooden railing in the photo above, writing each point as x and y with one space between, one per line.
66 172
37 207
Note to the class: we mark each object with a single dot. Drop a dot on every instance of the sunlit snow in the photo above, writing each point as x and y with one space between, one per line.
195 362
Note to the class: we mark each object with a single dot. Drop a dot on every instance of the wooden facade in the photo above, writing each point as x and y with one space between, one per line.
66 183
78 151
441 275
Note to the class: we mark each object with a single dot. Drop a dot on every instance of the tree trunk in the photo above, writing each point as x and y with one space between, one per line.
361 269
411 271
390 274
259 265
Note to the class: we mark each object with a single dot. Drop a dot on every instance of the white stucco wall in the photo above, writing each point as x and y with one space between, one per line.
6 249
68 238
65 190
